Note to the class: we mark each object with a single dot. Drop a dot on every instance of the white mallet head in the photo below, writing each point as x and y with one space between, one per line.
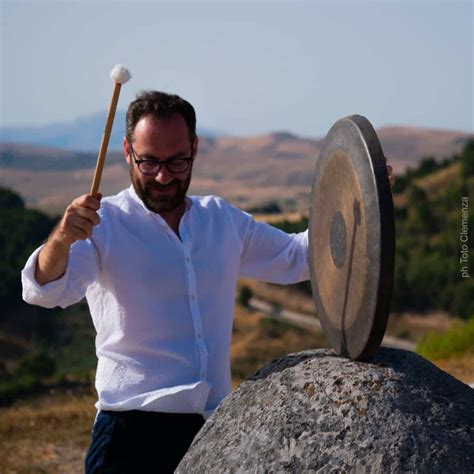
120 74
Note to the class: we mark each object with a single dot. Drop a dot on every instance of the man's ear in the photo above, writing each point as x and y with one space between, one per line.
126 150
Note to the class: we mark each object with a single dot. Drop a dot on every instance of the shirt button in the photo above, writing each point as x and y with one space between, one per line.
187 259
202 374
193 297
199 336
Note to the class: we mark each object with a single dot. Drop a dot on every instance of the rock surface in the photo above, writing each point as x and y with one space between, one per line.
316 412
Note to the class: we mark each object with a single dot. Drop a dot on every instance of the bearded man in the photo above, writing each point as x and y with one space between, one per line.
159 271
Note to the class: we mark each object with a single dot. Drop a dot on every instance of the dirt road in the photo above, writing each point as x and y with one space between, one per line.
312 323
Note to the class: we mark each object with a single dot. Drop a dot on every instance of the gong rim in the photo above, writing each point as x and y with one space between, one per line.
354 331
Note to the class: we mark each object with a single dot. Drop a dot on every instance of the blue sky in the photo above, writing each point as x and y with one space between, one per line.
247 67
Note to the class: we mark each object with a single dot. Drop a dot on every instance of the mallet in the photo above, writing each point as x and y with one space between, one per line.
120 75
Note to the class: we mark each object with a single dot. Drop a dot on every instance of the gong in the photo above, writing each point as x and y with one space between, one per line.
352 238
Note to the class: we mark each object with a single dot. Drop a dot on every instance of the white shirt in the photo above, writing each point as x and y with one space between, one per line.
163 306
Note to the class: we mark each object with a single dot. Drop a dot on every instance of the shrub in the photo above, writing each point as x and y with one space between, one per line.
292 227
427 267
37 363
271 207
275 329
463 299
453 343
401 183
244 295
13 388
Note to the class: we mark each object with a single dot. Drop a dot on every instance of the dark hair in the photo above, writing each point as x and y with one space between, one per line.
159 105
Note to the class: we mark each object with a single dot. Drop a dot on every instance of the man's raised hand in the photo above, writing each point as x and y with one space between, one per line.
78 220
77 223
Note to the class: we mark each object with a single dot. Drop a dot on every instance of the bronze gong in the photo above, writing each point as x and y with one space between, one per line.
352 238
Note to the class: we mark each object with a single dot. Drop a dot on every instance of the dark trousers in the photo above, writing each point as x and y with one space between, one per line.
140 442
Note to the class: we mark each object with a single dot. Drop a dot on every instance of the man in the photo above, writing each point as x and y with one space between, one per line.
159 271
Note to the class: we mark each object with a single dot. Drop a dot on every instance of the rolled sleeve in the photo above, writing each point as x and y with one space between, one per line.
34 293
81 271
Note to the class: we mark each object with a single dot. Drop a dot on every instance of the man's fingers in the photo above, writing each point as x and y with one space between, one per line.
391 177
88 214
79 220
79 233
88 201
77 212
84 224
77 223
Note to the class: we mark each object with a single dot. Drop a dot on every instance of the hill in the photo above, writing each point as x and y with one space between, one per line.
275 167
82 134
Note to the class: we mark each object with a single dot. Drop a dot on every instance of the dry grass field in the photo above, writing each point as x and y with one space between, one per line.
286 216
49 434
462 367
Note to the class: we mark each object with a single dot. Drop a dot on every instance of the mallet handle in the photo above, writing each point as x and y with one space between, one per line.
105 140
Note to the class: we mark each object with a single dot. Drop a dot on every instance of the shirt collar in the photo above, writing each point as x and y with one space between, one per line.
131 190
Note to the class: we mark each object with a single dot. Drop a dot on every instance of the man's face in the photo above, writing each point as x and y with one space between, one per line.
163 139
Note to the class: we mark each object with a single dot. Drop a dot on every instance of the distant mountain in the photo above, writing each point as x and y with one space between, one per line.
82 134
404 143
248 171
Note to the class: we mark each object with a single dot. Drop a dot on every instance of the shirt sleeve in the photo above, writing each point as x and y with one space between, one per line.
269 254
82 270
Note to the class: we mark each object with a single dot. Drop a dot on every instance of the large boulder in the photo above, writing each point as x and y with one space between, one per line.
316 412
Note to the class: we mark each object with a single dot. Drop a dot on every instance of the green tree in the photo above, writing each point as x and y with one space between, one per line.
427 165
10 200
420 218
271 207
462 303
21 231
467 159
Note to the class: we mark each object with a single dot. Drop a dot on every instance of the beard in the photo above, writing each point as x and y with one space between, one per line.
164 203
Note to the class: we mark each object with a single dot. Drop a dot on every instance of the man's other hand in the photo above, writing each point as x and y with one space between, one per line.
391 177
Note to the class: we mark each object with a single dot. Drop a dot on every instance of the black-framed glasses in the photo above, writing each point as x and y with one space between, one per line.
153 167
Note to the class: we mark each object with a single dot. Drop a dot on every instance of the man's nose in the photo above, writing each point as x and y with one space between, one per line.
163 176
